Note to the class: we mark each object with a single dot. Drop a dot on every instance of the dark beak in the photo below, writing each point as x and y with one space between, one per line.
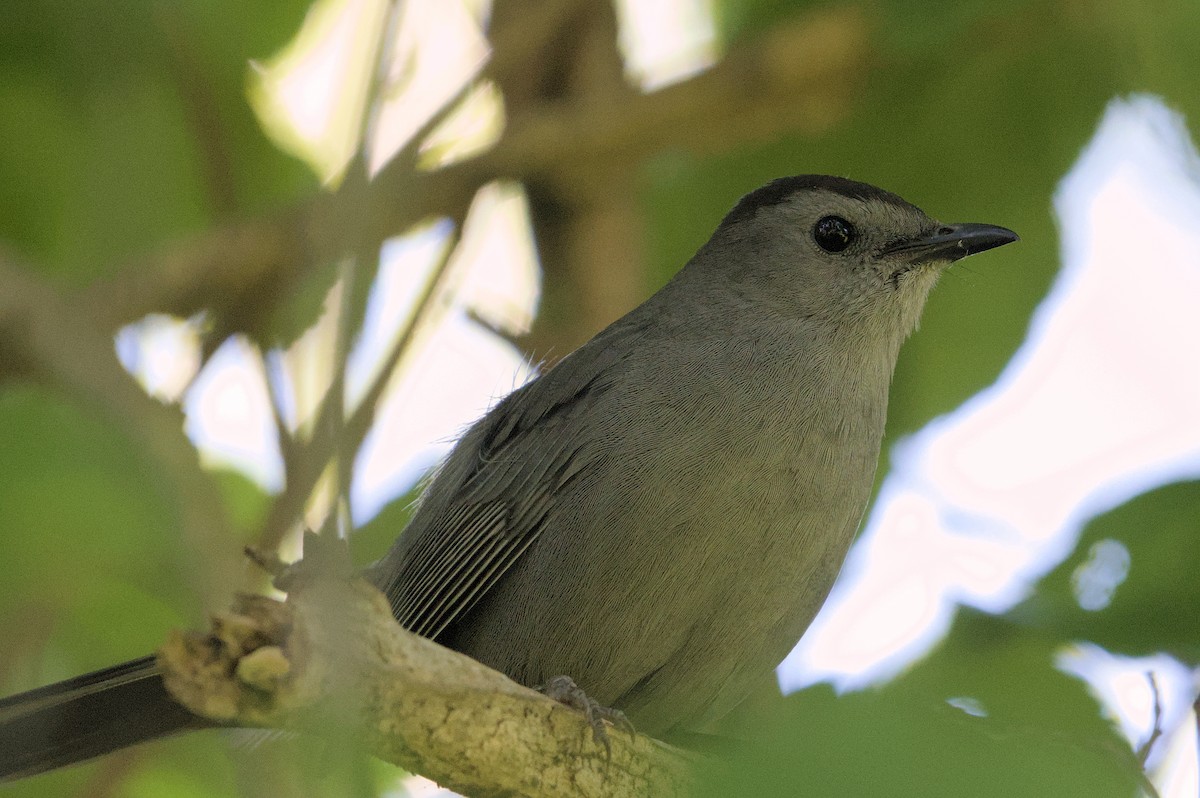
951 242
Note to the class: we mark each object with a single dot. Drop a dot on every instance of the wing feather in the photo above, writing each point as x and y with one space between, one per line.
491 500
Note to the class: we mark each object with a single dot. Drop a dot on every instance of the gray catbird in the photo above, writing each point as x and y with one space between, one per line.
661 514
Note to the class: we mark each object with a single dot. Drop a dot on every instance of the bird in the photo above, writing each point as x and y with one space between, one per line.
660 515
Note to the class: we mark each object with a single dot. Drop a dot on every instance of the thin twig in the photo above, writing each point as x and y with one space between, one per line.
1143 753
313 454
332 436
358 272
363 415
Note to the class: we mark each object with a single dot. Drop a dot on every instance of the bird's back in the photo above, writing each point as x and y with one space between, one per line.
666 550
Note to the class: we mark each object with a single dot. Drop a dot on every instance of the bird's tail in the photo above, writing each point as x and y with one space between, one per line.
87 716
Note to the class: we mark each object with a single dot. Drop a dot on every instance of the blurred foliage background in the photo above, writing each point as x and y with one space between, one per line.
136 178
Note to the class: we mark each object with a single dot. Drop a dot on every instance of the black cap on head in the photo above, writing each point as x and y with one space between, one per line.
780 190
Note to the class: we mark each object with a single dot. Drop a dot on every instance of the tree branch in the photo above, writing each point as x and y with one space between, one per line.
798 78
332 660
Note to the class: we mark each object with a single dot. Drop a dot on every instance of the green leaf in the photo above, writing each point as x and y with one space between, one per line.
372 540
94 570
126 125
1155 606
245 500
1034 731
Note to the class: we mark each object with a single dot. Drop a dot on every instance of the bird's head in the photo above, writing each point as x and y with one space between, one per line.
846 255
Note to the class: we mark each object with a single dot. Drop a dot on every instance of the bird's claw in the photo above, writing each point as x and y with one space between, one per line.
564 690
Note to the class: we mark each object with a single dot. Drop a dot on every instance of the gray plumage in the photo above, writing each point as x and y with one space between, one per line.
659 516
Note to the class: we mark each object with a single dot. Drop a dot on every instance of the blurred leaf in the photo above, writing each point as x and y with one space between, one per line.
87 533
245 500
739 21
929 26
202 782
1040 733
126 124
94 575
1156 606
372 540
302 765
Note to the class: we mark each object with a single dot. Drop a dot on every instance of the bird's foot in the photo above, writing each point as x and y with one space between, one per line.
564 690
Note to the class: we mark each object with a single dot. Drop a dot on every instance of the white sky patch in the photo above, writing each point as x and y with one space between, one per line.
406 265
666 41
162 352
439 49
228 414
968 704
502 284
285 401
457 367
473 126
449 383
311 97
1095 581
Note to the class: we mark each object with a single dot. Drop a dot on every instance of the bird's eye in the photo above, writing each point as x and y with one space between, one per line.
833 233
